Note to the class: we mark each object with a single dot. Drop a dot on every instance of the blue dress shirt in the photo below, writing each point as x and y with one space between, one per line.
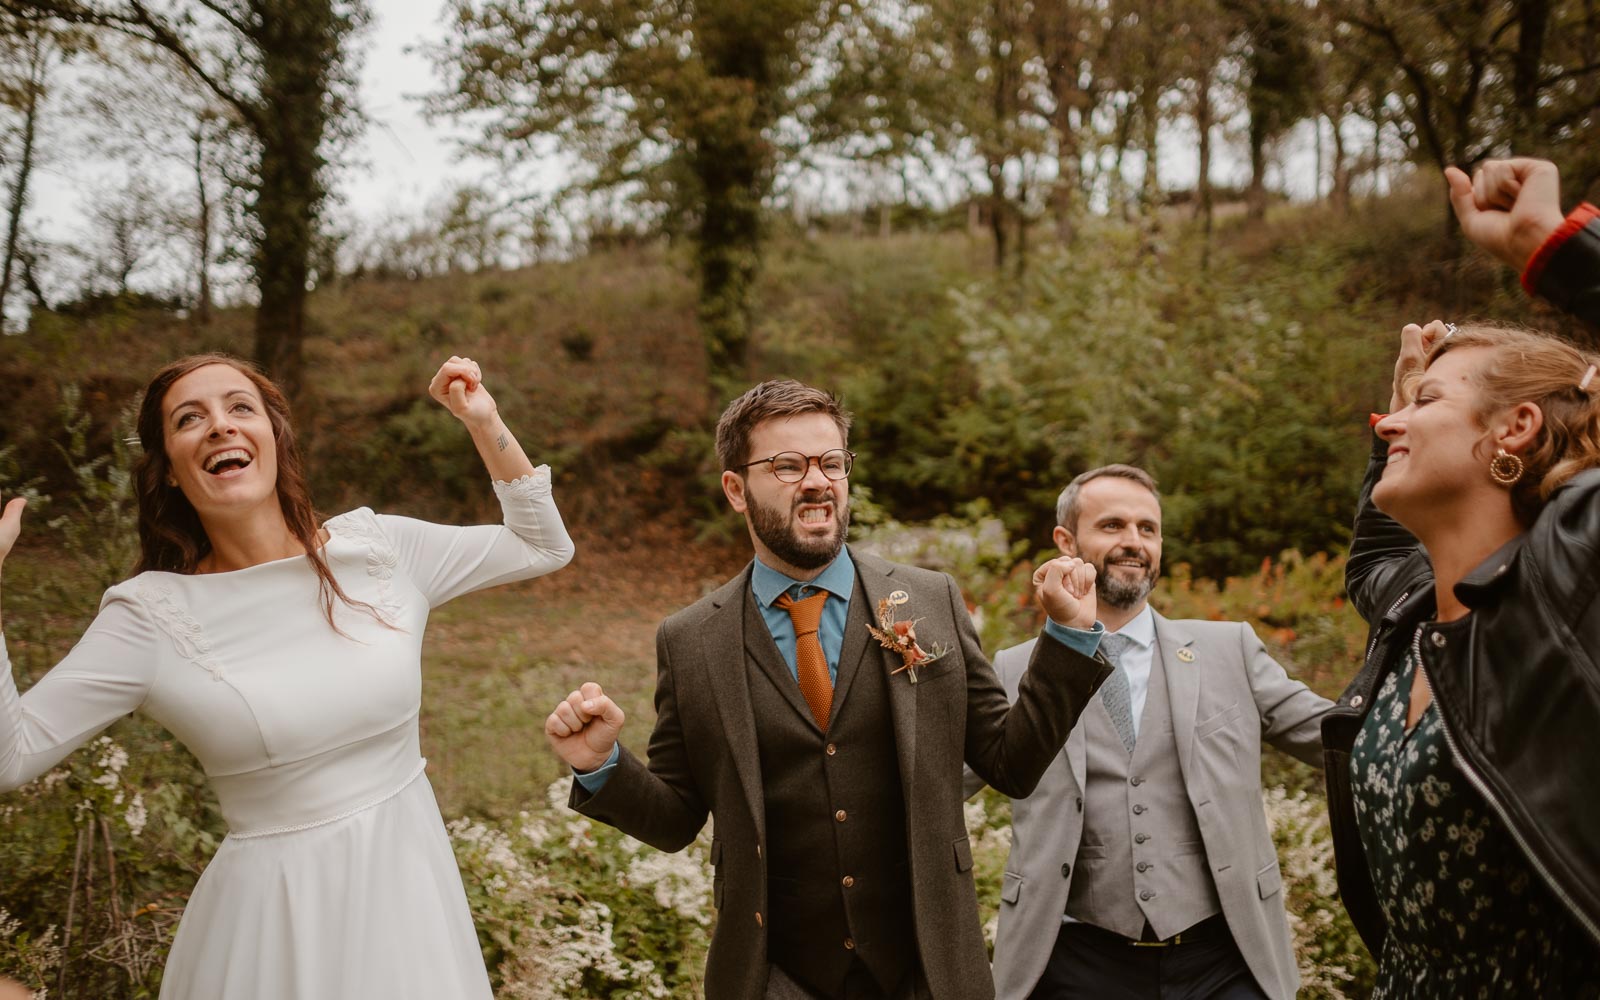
766 583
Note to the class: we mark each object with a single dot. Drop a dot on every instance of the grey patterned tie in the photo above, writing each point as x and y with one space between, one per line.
1114 692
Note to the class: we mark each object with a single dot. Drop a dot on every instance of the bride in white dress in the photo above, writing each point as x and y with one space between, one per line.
287 658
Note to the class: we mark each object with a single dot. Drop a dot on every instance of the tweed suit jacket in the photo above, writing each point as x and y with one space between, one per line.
1226 696
703 758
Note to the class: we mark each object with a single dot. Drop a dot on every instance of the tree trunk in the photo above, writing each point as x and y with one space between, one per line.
1150 127
298 45
19 190
998 210
1533 21
727 251
202 305
1204 205
1339 193
1256 194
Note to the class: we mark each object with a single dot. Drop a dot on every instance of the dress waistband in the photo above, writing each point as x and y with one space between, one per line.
363 807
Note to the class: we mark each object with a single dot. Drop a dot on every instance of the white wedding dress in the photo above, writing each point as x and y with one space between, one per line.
336 879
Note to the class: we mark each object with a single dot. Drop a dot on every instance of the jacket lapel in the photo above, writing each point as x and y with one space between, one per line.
723 653
1175 644
876 580
856 637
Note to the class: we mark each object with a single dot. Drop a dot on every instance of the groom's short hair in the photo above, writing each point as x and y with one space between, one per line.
781 397
1067 506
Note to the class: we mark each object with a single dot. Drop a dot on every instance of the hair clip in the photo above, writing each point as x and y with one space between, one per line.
1588 376
1449 330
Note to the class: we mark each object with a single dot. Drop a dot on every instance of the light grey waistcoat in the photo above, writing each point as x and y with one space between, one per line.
1141 857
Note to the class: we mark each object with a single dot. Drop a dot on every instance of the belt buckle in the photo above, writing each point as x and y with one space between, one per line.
1169 942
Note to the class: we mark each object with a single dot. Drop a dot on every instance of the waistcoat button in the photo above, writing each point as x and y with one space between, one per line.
1136 782
758 918
1144 866
1138 810
1147 895
1140 838
847 881
849 944
832 749
840 815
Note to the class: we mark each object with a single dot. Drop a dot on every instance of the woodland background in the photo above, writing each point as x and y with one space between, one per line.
948 211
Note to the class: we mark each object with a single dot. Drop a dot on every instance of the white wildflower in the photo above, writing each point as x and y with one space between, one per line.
136 816
677 881
976 816
558 793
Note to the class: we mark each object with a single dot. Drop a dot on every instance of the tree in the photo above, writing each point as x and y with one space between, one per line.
1277 85
148 115
683 106
284 67
32 50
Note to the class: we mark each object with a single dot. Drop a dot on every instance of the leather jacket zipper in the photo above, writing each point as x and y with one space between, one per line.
1372 643
1477 782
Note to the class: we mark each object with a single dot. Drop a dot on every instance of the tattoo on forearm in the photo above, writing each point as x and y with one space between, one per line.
502 441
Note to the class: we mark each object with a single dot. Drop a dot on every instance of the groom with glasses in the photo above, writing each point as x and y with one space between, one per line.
819 707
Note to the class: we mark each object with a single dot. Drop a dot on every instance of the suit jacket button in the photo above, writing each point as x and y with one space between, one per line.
1080 803
849 944
1066 870
848 881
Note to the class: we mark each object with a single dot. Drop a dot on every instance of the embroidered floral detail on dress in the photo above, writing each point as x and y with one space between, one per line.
362 526
534 486
185 632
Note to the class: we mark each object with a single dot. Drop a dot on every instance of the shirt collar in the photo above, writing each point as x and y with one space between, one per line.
1141 629
839 578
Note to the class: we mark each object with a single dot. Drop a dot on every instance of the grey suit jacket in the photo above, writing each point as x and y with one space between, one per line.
1225 702
703 757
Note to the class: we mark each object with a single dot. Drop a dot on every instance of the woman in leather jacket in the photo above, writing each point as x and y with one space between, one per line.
1465 810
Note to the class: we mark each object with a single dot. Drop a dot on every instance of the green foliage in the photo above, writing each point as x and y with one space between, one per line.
98 527
569 909
1213 382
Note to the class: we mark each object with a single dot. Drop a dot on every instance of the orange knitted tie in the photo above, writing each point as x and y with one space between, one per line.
811 664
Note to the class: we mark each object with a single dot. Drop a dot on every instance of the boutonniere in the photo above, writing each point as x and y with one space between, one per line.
901 636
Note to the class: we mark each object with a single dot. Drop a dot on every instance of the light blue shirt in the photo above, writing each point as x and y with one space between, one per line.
839 579
767 584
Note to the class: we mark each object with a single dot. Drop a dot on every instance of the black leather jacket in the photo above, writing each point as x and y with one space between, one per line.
1571 278
1516 681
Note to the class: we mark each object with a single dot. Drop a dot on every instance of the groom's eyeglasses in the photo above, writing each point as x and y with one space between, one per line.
791 466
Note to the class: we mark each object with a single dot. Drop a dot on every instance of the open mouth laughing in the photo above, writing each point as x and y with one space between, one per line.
226 463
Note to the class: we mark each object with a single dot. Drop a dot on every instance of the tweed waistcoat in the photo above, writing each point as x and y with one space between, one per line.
1141 857
838 881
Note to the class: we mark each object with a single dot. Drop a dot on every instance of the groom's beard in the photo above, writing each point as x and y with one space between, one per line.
775 526
1116 589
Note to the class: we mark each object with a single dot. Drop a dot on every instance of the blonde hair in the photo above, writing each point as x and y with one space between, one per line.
1529 367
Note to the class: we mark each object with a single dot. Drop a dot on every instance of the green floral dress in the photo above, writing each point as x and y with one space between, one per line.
1468 918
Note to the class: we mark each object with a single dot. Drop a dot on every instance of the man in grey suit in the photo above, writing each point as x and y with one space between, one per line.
1141 866
819 706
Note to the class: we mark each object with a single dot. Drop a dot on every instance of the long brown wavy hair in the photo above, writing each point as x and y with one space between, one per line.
171 537
1528 366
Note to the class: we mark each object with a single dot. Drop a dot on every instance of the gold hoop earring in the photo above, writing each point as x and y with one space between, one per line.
1505 468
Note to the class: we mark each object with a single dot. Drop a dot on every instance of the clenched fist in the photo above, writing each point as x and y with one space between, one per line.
1064 587
583 728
